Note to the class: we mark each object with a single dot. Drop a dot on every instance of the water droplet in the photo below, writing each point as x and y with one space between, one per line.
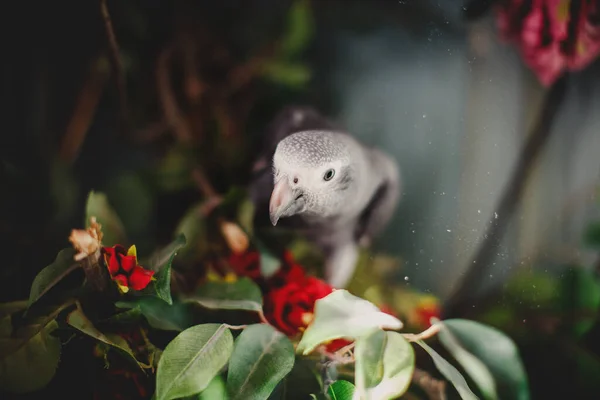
448 230
406 278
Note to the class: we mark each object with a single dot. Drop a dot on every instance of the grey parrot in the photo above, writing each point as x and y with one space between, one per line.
340 192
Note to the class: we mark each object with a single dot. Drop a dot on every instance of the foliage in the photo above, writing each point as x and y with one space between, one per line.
225 312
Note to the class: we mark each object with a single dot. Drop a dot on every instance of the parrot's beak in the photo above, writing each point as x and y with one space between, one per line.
283 201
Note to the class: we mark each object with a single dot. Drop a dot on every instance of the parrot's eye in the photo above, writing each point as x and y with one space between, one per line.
329 174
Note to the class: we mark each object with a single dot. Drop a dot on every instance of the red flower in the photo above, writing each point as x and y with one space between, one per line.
290 307
124 269
289 271
246 264
425 312
553 36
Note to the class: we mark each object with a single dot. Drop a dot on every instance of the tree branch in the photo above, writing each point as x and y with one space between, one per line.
510 199
116 62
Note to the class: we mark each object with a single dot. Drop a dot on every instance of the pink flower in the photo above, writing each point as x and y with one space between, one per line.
553 36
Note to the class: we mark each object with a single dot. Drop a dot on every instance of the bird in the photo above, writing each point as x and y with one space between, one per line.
339 192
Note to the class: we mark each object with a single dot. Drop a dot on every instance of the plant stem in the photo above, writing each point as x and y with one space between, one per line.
116 61
464 293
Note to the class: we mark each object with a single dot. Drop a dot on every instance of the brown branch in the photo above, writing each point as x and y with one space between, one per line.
464 292
116 62
83 114
176 121
434 388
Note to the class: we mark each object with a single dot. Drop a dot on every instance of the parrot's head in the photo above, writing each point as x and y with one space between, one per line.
312 174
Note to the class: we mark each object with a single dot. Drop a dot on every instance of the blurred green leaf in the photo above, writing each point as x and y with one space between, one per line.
287 73
245 216
532 288
580 294
112 227
262 357
482 350
32 364
269 264
449 372
385 362
591 236
299 31
133 202
47 278
174 171
159 314
192 360
342 315
79 321
476 369
242 294
193 226
302 380
341 390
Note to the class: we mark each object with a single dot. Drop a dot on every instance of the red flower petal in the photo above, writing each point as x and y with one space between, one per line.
127 262
113 264
246 264
121 279
336 345
140 278
286 307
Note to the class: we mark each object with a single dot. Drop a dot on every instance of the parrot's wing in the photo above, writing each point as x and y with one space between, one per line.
382 205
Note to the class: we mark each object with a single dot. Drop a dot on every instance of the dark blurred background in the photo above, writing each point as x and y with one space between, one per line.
198 82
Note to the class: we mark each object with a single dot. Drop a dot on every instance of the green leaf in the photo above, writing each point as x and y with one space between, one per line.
133 202
173 172
342 315
341 390
302 380
215 390
591 237
193 226
33 365
261 358
112 227
47 278
164 257
245 216
300 29
482 350
161 262
286 73
269 264
580 295
79 321
243 294
192 360
159 314
451 373
385 362
476 369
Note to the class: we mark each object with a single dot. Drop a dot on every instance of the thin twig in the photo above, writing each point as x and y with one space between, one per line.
426 334
477 267
203 183
83 114
173 116
116 61
434 388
